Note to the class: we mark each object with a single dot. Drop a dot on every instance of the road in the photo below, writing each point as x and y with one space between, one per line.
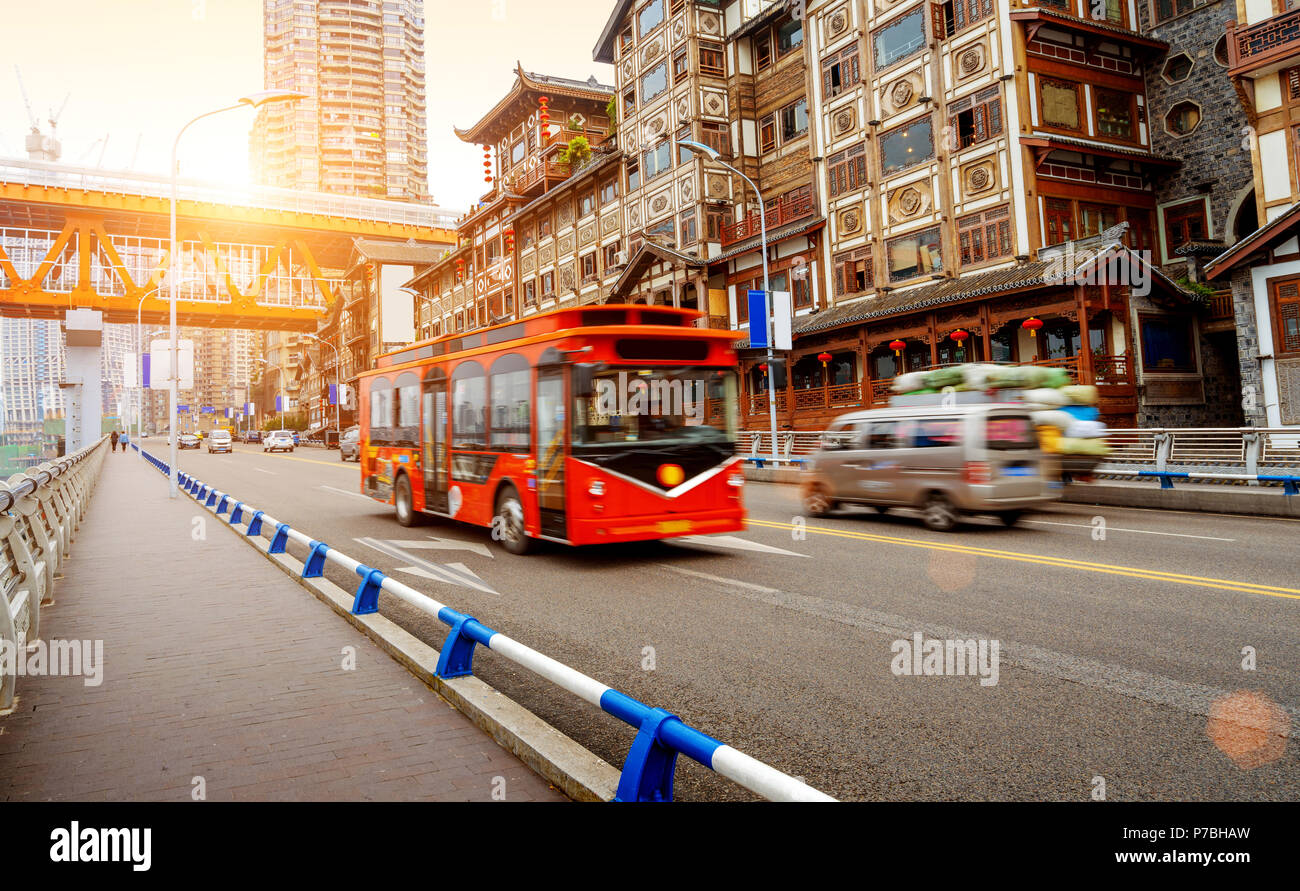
1114 647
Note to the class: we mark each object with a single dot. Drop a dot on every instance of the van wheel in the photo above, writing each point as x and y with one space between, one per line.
406 515
508 523
938 513
817 501
1010 518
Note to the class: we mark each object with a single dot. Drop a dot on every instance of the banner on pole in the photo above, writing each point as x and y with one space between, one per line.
758 320
782 319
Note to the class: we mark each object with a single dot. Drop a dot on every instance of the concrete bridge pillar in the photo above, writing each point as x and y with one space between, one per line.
83 332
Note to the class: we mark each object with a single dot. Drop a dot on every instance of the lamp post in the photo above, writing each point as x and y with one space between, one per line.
338 418
710 154
139 369
253 100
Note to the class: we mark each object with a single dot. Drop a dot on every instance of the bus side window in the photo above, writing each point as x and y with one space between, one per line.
381 411
469 407
406 404
511 402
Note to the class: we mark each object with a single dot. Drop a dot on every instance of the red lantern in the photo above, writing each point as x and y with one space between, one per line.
1032 325
763 368
510 240
959 335
824 358
897 346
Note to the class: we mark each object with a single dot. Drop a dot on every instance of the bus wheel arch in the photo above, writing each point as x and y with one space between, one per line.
404 501
509 526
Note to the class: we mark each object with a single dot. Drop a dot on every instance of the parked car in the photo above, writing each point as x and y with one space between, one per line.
221 441
944 460
350 445
187 441
277 441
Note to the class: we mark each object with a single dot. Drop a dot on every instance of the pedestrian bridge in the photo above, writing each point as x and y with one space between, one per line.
249 257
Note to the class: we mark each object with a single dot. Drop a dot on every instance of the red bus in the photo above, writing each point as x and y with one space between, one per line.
588 425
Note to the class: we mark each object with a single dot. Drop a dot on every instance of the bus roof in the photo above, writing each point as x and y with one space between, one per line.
590 319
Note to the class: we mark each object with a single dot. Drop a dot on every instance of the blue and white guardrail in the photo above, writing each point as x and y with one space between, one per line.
1290 484
648 772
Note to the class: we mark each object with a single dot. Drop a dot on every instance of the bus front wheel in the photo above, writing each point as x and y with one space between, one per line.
406 514
508 523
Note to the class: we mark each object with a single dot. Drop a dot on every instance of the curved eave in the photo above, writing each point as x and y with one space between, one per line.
490 129
1101 30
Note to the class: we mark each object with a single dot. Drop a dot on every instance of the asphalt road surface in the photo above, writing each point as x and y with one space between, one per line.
1121 635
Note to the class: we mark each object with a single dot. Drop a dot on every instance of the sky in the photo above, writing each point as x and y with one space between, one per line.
135 71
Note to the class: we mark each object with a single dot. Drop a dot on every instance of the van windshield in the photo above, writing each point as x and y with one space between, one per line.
1010 434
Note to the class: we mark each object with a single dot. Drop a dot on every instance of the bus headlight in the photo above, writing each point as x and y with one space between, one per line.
596 488
736 480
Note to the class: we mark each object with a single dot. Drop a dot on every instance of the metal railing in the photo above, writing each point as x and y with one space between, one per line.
39 515
648 772
64 176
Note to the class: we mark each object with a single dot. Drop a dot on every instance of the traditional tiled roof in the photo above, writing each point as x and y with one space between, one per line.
749 244
1207 248
487 128
1125 34
1262 238
650 252
604 50
404 253
1069 142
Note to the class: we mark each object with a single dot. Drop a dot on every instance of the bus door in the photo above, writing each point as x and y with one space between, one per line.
434 452
552 420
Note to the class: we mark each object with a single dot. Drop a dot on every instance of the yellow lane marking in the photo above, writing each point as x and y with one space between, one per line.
1059 562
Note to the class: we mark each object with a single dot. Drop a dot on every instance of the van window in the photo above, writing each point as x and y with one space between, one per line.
1010 434
933 433
881 435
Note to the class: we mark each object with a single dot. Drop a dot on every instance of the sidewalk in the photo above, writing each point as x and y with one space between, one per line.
216 665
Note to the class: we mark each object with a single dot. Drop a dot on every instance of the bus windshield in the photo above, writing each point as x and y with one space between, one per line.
668 406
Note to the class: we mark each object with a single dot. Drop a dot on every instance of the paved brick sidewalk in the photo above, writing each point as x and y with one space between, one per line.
216 665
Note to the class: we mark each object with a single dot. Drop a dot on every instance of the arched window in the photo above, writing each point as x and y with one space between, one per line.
381 410
469 406
511 402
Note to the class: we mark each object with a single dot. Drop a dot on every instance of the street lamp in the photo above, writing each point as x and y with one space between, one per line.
338 394
252 100
710 154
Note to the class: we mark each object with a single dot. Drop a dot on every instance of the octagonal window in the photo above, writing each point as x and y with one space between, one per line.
1177 68
1183 118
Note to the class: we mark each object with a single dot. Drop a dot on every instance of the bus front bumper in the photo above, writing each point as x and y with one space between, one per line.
602 530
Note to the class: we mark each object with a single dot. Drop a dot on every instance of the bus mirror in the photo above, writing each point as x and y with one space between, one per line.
584 385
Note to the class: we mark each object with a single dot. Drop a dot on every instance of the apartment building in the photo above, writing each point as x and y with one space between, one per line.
363 128
1262 44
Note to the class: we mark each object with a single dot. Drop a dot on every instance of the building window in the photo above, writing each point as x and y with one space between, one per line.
1116 112
841 72
1167 344
658 159
586 204
1183 223
762 52
853 272
608 192
629 102
1183 118
530 292
651 16
715 136
920 253
681 66
1059 104
1095 219
1286 315
716 219
633 176
847 170
611 256
662 229
1177 68
794 120
767 134
900 39
711 60
625 40
1167 9
588 268
984 236
789 36
960 14
1058 215
654 82
548 284
907 145
976 118
544 225
689 230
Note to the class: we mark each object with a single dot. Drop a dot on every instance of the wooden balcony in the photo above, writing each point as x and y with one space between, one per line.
539 179
717 323
1257 49
1221 308
785 210
836 396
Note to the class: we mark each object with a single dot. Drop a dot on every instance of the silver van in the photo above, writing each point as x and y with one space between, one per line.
943 460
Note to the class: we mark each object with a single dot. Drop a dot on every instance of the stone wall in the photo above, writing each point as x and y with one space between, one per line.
1252 381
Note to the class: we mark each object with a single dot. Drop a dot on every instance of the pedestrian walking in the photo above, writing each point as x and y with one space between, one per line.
115 437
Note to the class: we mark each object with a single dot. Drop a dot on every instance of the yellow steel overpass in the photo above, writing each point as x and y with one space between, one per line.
250 257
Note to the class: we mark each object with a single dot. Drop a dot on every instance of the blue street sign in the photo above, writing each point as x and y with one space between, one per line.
145 362
207 410
334 394
183 409
758 320
278 404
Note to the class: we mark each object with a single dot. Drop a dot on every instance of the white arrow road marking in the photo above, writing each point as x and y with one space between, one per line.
444 544
1121 529
450 573
731 541
345 492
